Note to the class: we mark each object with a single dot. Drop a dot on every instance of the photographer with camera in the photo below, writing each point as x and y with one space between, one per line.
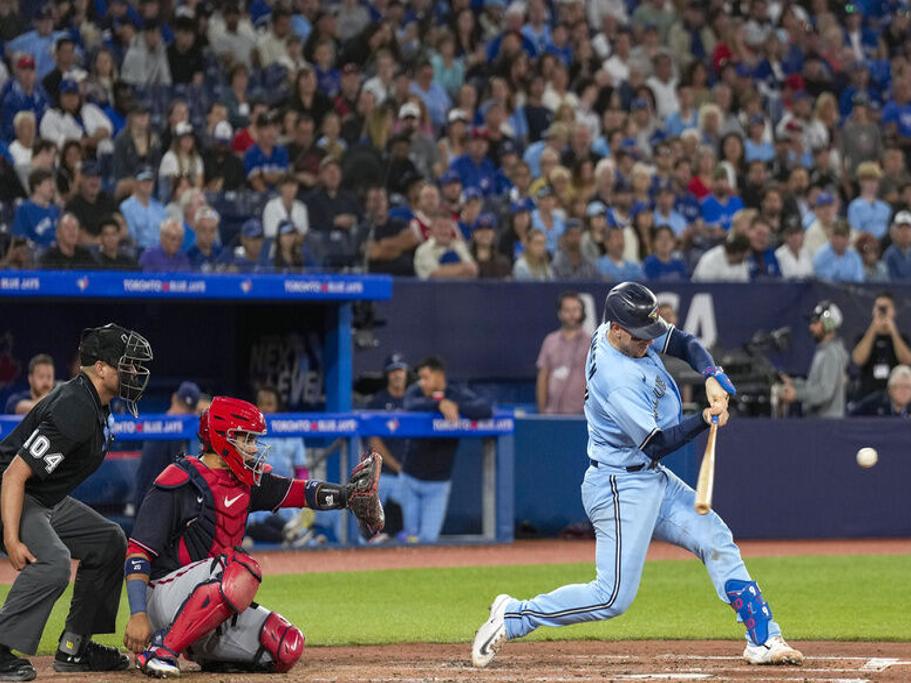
880 348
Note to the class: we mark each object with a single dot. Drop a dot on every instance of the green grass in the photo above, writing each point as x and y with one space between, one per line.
845 598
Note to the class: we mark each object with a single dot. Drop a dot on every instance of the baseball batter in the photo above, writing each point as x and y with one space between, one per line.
189 584
634 416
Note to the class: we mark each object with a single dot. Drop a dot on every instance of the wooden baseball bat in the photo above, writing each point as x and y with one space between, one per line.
707 472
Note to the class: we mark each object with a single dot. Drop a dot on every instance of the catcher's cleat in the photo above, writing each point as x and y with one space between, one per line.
492 634
774 651
158 662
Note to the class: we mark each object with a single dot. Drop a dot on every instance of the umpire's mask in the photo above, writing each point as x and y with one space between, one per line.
123 349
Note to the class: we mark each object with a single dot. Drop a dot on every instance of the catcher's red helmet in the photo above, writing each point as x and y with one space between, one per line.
229 419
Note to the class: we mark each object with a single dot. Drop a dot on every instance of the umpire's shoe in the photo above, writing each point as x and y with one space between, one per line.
91 657
13 668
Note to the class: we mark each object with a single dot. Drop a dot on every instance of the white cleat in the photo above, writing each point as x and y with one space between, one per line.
492 634
774 651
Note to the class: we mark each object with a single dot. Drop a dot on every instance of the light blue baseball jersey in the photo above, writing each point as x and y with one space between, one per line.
628 400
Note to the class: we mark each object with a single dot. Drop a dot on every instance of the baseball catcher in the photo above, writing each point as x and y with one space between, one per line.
190 586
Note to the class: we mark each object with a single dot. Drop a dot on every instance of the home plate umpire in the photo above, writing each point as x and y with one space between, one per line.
61 441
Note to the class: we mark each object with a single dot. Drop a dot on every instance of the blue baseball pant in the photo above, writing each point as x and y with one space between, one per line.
628 509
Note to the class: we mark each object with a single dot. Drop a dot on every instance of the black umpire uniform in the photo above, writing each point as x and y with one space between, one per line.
63 440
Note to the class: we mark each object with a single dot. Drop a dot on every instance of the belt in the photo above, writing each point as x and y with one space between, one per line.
629 468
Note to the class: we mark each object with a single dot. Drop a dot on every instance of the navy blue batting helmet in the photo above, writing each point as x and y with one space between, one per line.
634 308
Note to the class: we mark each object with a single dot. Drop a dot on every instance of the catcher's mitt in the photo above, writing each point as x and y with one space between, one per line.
362 497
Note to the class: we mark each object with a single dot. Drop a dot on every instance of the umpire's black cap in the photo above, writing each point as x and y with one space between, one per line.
107 343
634 308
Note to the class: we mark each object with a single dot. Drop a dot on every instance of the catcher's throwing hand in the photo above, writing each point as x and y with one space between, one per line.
137 633
362 497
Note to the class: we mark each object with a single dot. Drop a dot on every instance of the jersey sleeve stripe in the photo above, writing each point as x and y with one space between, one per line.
648 438
284 497
667 339
143 546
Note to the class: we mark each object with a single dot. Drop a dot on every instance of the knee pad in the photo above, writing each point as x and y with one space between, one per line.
204 610
282 640
746 599
240 580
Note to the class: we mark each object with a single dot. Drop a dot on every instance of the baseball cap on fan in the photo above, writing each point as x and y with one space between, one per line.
395 361
188 394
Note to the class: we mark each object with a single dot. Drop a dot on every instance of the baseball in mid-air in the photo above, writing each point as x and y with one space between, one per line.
867 457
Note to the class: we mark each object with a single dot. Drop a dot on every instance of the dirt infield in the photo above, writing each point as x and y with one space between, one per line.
574 661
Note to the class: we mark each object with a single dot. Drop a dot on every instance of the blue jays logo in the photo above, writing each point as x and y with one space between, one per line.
660 388
653 315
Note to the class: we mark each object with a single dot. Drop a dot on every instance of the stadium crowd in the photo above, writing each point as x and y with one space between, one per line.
537 140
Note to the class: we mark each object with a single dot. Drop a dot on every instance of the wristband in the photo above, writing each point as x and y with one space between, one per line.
321 495
137 565
721 377
712 370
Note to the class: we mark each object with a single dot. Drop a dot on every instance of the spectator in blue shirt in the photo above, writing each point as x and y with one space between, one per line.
756 147
837 261
432 94
287 458
475 169
22 92
662 264
867 213
265 162
36 218
250 255
39 43
167 256
761 259
718 208
665 213
548 218
206 252
898 255
142 212
896 116
612 265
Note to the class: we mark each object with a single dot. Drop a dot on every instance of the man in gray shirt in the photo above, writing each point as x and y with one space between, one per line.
146 62
822 393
